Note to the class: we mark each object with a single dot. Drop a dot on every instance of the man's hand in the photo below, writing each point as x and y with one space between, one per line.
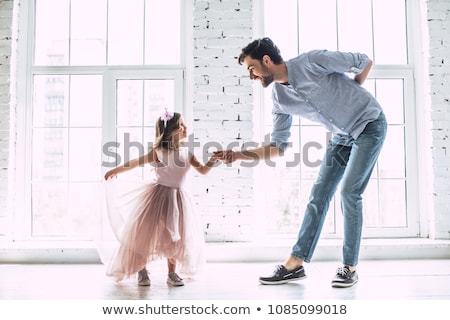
226 156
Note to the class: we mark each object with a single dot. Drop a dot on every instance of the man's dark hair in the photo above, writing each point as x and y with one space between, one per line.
257 49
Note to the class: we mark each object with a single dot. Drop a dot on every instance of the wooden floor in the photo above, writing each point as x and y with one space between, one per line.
379 279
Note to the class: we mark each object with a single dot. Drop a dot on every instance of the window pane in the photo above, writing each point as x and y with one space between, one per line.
391 162
378 29
49 205
130 102
392 199
84 209
126 32
314 143
389 93
50 100
86 101
159 94
317 25
131 147
85 154
162 32
351 38
52 32
288 11
283 207
88 32
49 154
389 31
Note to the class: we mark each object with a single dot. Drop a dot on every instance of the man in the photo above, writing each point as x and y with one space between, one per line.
315 85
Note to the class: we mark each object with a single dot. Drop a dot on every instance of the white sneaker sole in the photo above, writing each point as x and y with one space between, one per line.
144 283
175 284
281 281
343 285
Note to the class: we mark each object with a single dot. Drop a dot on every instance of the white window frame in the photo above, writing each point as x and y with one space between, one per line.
416 205
21 211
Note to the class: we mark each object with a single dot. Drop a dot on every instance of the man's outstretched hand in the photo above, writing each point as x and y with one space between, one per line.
226 156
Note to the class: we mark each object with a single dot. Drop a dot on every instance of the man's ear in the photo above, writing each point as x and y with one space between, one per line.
266 59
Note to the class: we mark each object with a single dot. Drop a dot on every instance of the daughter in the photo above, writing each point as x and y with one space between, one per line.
162 223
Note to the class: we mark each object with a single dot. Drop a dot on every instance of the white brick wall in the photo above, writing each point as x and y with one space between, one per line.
439 70
222 111
6 14
223 106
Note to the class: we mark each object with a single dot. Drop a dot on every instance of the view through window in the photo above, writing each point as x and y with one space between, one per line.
78 46
379 29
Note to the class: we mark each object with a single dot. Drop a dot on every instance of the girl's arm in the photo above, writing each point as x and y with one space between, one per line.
148 158
203 169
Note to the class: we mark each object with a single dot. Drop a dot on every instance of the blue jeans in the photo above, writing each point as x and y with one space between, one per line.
352 161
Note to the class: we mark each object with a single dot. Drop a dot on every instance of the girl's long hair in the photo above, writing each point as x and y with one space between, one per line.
164 133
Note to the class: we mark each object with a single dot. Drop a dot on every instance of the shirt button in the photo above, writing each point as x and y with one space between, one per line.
331 120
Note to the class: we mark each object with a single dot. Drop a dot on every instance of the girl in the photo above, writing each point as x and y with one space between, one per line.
162 222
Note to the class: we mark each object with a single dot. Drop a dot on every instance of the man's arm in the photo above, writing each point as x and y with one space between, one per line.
360 78
261 153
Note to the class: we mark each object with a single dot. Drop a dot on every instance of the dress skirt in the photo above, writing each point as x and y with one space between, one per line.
161 223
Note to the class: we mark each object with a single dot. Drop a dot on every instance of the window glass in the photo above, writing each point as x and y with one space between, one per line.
50 154
317 28
355 29
86 100
107 32
372 29
389 23
288 11
52 32
88 32
81 44
162 22
50 205
85 154
125 32
50 103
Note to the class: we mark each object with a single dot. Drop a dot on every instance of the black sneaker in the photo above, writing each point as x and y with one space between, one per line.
282 275
344 278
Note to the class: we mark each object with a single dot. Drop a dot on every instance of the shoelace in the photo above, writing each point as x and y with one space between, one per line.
278 269
343 271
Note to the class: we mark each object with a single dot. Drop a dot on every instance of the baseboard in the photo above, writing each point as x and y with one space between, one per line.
273 250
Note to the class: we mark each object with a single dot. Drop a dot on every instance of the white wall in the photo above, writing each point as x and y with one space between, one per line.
222 111
439 79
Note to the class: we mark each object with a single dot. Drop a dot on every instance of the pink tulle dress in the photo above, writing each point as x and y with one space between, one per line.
160 223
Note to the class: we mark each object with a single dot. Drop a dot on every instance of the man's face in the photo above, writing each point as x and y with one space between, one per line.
259 71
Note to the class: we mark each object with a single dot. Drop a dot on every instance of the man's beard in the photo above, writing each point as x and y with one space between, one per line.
268 78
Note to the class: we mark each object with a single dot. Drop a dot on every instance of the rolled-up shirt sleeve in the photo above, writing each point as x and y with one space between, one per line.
340 62
281 133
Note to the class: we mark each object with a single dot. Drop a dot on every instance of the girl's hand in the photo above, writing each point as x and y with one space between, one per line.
226 156
214 158
110 174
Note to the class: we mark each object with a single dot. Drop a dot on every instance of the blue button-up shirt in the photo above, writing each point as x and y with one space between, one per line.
319 90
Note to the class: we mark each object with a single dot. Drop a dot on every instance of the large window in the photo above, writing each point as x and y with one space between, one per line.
98 71
380 29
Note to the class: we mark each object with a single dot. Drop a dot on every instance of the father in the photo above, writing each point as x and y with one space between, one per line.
315 85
